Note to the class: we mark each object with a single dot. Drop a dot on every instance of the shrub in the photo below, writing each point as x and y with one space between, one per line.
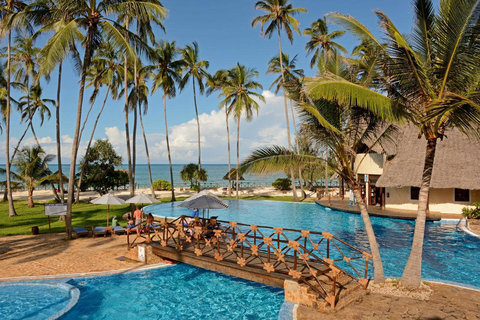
282 184
472 213
162 185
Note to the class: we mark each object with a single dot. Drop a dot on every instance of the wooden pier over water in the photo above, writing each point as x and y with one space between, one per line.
326 267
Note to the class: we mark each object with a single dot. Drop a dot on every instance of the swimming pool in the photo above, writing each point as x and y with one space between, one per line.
449 255
174 292
34 300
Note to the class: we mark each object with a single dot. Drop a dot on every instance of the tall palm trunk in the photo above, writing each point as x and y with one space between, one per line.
127 133
147 153
326 170
229 189
198 132
30 198
57 119
412 274
11 208
295 197
82 168
300 179
76 141
54 190
378 274
237 178
168 146
135 106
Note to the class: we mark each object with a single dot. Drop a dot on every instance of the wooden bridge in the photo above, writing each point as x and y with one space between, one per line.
327 265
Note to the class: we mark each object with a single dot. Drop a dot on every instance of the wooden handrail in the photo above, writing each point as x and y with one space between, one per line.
304 255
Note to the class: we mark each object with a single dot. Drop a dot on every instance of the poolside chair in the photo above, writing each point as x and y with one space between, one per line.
81 231
118 230
101 230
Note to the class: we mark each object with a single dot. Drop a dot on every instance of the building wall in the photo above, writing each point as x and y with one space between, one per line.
371 164
441 200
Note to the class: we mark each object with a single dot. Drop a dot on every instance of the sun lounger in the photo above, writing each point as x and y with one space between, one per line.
118 230
81 231
100 230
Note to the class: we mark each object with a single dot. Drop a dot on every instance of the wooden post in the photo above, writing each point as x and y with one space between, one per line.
49 228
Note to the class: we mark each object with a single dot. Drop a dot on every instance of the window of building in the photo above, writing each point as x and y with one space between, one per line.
414 193
462 195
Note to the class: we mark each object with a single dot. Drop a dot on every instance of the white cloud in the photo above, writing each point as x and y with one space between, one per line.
265 129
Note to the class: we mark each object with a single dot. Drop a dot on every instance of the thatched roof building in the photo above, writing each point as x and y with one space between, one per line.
456 165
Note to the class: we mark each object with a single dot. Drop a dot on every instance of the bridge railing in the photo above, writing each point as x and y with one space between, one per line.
318 259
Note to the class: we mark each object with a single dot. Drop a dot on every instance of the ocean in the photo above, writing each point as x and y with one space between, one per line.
161 171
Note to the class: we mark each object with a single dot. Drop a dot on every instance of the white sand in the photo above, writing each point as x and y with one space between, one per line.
45 195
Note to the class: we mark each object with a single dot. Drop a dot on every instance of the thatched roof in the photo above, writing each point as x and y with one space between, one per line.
456 162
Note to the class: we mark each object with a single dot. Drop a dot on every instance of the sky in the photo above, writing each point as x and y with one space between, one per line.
222 29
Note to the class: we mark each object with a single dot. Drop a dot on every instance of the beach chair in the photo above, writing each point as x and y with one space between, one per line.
118 230
81 231
101 230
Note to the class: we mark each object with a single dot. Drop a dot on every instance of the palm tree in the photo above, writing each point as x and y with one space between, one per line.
292 76
32 103
238 97
166 69
146 13
93 17
321 42
104 71
51 17
433 77
279 15
189 173
218 82
7 10
30 163
197 70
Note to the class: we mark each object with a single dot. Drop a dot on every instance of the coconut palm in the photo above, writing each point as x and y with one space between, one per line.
218 82
104 71
321 42
433 76
32 104
7 9
292 76
189 173
347 130
30 163
95 18
144 14
239 95
195 69
279 15
166 70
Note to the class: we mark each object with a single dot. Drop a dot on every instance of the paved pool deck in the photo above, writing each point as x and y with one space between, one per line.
339 204
28 256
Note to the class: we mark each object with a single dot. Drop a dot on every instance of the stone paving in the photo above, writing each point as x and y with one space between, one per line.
51 254
446 302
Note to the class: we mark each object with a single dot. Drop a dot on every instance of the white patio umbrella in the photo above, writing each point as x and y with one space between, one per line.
142 198
204 200
108 199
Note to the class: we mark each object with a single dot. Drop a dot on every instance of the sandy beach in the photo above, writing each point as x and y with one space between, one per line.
46 195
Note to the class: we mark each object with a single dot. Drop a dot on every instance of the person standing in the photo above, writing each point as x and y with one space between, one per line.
138 216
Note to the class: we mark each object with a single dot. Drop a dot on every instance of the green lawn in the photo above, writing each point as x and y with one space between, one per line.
84 214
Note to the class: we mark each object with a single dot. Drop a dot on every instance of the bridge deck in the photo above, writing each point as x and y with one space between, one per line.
264 254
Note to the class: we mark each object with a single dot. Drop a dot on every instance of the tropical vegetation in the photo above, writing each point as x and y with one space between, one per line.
349 105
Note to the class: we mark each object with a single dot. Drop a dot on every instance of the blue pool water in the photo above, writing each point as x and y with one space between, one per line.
174 292
31 300
449 255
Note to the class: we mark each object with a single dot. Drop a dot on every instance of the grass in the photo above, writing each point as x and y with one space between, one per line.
84 214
